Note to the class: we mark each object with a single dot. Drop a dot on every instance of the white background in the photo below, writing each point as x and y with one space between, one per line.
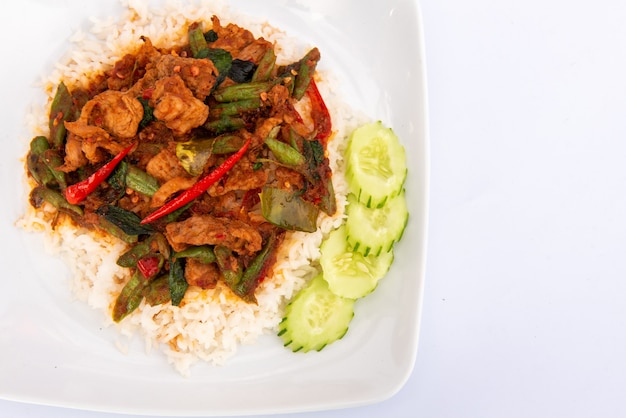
525 297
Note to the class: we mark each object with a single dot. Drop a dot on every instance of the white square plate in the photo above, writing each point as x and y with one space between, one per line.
53 349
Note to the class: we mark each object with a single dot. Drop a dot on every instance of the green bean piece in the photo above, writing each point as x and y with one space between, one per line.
155 242
197 42
176 281
285 153
41 193
161 244
306 69
39 145
60 111
229 266
224 124
39 170
202 253
328 203
265 67
140 181
242 91
129 258
130 297
158 291
236 107
35 163
53 160
256 270
296 140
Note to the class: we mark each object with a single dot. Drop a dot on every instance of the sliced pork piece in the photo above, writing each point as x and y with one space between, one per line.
243 176
111 112
211 230
176 106
165 166
201 274
199 75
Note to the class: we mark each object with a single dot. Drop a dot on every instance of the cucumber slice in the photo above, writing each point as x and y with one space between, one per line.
375 230
351 274
315 317
376 164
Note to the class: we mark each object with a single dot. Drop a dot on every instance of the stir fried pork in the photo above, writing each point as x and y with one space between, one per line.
201 274
206 229
176 105
165 166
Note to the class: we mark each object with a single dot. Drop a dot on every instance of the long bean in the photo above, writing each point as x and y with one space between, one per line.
35 163
60 111
306 69
140 181
242 91
41 193
197 42
266 66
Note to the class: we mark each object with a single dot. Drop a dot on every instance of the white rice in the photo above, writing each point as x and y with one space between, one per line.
210 324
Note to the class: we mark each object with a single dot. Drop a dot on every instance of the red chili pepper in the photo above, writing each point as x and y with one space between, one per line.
76 193
319 113
200 187
149 266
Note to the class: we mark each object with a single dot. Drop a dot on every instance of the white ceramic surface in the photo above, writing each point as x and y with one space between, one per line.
54 350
